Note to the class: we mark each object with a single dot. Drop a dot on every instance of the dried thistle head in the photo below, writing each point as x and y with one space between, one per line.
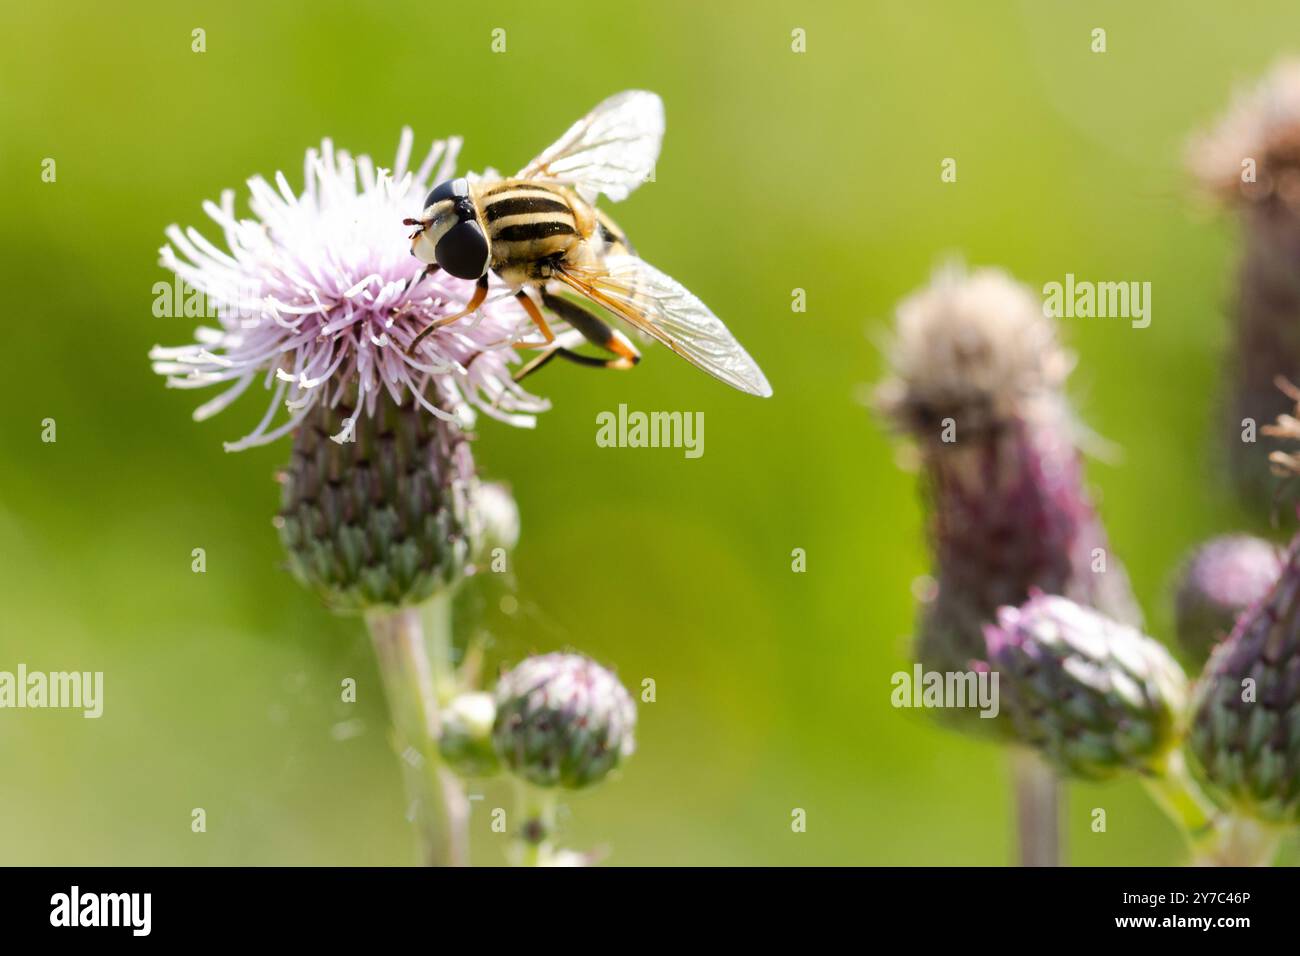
974 347
1253 152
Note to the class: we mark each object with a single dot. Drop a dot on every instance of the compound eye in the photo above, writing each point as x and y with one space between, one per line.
451 189
463 250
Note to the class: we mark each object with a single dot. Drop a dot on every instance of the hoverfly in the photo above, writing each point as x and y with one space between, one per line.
541 233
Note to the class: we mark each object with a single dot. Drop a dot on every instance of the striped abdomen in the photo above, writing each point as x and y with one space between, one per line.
529 225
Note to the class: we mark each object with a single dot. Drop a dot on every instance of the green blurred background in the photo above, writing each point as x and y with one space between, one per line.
817 171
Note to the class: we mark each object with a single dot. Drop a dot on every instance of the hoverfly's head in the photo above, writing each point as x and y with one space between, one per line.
448 232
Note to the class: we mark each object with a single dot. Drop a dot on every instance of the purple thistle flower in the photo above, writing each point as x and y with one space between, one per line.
1250 162
979 385
315 298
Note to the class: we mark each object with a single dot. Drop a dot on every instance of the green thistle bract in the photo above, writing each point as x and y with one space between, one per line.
380 519
562 720
1095 697
1245 734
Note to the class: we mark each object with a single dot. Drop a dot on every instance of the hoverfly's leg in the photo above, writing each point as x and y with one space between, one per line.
596 331
533 365
539 320
480 293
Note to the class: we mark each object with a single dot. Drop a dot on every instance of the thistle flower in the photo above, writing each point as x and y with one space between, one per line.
383 519
1251 161
1219 580
978 378
562 720
316 297
1095 697
1245 735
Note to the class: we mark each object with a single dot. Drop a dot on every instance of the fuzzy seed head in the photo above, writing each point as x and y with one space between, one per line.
1253 153
976 348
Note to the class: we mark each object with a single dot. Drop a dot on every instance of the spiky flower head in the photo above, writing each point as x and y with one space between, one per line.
1251 161
1253 152
1219 580
315 298
1245 733
1094 696
974 348
381 517
466 734
978 376
563 720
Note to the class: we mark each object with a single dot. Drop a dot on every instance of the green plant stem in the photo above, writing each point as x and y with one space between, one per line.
1038 809
410 676
535 836
1179 797
1214 838
438 628
1237 841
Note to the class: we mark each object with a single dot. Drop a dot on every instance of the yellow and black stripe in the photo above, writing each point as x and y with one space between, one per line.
527 222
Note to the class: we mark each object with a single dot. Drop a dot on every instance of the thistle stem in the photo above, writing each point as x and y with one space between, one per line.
1237 841
1038 809
438 627
1176 794
535 837
410 676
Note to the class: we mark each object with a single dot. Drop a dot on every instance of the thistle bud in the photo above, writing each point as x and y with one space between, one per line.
1245 733
1095 697
978 379
1220 579
1250 162
374 508
496 522
466 735
562 720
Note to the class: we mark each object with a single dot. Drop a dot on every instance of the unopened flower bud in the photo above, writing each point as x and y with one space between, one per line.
1245 733
466 741
562 720
496 522
1095 697
1220 579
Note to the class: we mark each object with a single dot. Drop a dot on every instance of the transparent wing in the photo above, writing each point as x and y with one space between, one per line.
661 307
611 150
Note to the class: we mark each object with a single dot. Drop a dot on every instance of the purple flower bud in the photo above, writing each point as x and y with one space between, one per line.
1220 579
